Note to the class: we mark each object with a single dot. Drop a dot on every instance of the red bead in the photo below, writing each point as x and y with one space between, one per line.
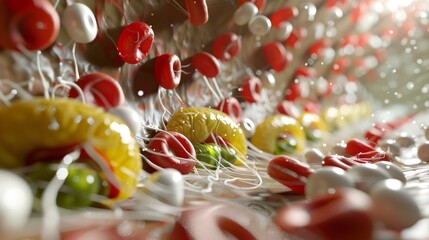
135 42
343 214
333 3
289 172
252 88
318 46
206 64
288 108
373 135
198 13
342 162
312 107
307 72
258 3
168 70
232 107
171 150
340 64
358 12
356 146
226 46
32 24
100 89
276 55
293 41
293 92
285 14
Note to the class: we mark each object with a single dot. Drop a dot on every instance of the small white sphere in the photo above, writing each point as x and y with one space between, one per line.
326 180
79 22
339 149
259 25
393 206
167 186
283 31
244 13
367 175
405 141
423 151
393 170
390 147
268 80
129 116
314 156
16 202
248 127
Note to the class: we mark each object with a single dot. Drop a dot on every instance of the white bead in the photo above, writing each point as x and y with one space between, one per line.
423 152
166 185
244 13
393 170
393 206
129 116
283 31
268 80
405 141
16 202
259 25
248 127
326 180
339 149
367 175
314 156
80 23
390 147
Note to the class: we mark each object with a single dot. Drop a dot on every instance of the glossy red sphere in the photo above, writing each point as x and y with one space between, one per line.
226 46
135 42
206 64
168 70
251 89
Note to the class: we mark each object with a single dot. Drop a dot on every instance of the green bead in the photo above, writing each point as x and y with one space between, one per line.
229 155
313 134
208 154
80 184
285 146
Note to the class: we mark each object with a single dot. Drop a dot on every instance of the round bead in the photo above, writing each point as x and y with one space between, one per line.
100 89
129 116
251 89
226 46
405 141
135 42
166 185
393 206
276 55
79 22
326 180
288 108
314 156
283 31
268 80
393 170
423 151
16 202
244 13
283 15
248 127
206 64
232 107
367 175
168 70
390 147
198 12
259 25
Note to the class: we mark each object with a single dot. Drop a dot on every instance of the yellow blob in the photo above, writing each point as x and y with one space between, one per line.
267 133
198 123
312 122
27 126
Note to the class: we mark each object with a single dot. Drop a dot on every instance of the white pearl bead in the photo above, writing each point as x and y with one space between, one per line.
259 25
283 31
129 116
16 202
248 127
405 141
80 23
244 13
166 185
393 170
314 156
326 180
367 175
268 80
393 206
339 149
390 147
423 152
